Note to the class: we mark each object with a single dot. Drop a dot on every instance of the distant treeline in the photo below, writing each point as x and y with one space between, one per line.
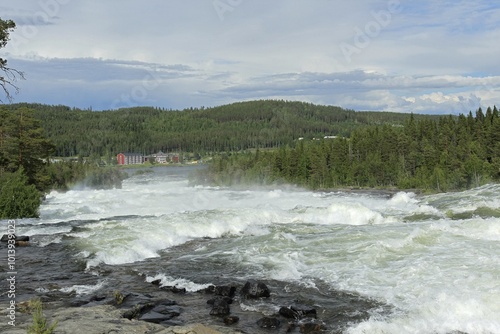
449 153
234 127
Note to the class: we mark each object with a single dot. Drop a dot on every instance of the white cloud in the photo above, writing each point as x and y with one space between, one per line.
425 56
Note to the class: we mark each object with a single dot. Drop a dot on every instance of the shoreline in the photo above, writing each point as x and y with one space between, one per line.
128 295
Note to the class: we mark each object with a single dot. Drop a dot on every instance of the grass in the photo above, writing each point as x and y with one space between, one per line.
40 324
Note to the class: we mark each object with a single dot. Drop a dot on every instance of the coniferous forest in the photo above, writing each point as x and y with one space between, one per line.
234 127
445 154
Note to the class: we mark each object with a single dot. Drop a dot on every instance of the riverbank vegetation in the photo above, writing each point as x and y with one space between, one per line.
27 170
449 153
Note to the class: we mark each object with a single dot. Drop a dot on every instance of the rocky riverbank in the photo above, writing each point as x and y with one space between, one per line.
168 310
125 299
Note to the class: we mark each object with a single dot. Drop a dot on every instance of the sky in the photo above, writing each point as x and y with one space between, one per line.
425 56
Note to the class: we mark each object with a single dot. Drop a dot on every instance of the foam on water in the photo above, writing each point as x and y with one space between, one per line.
181 283
84 289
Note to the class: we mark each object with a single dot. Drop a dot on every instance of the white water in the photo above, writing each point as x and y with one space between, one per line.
441 274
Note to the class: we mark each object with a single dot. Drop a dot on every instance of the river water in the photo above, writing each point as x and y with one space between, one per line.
434 261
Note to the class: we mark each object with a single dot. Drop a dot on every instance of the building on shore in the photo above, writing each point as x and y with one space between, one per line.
129 158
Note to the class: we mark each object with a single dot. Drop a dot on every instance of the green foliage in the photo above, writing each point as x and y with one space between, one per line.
22 144
18 199
437 155
234 127
119 297
40 324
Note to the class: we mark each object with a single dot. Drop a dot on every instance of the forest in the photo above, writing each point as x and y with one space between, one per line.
233 127
445 154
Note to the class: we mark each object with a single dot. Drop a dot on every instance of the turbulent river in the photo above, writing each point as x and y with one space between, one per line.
433 260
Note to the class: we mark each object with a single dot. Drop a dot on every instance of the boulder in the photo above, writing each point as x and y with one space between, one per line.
312 327
156 282
22 243
269 323
231 320
155 317
225 290
220 308
288 313
304 311
18 238
255 289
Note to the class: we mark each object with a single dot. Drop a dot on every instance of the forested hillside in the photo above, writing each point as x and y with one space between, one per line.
234 127
450 153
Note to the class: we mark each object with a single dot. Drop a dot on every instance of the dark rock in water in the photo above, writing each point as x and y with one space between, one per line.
161 313
212 301
303 311
178 290
312 327
174 289
269 322
225 290
209 289
231 320
138 310
156 282
288 313
22 243
174 310
220 308
254 289
17 238
155 317
97 298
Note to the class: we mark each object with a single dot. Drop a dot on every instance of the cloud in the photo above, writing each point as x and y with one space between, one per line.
423 56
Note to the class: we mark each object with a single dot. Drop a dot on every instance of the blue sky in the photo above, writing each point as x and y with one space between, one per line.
425 56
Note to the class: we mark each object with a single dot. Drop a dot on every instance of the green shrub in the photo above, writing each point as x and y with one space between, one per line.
40 324
18 199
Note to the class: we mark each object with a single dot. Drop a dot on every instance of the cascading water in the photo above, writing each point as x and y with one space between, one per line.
434 259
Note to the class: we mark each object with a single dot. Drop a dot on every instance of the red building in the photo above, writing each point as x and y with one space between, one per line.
129 158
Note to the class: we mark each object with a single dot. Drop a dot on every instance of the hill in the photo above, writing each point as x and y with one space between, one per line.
232 127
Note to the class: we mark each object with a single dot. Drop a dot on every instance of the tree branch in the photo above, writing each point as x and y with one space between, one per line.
8 81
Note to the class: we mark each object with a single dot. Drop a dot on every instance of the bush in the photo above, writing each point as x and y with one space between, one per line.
40 324
18 199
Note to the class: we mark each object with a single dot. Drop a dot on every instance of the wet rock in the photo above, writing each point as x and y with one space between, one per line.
174 310
138 310
304 311
312 327
174 289
269 323
156 282
17 238
161 313
22 243
254 289
156 317
178 290
288 313
225 290
231 320
220 308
